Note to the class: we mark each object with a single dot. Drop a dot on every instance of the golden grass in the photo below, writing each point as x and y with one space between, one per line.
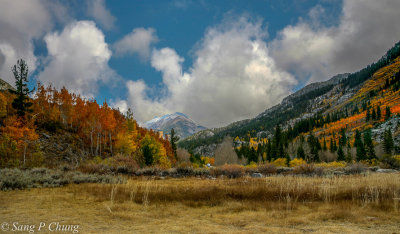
356 204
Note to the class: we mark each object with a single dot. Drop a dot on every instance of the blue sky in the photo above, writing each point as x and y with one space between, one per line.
216 61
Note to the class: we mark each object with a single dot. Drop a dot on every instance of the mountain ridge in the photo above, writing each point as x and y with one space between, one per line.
180 122
319 97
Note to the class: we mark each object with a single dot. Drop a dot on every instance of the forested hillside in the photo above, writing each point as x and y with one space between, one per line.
344 119
53 127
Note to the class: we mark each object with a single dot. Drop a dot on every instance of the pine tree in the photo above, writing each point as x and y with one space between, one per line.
368 116
325 147
388 143
349 158
378 113
174 140
342 139
387 114
287 159
314 147
361 155
21 103
369 146
300 152
373 115
334 145
269 151
331 145
340 154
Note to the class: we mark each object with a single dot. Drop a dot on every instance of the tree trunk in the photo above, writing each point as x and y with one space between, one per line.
25 146
111 149
91 142
97 145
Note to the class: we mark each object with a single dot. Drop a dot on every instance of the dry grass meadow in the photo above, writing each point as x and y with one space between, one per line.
278 204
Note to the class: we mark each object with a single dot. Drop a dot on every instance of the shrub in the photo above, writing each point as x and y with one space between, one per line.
251 168
390 161
201 172
308 169
355 168
185 171
148 171
43 177
297 162
94 168
333 164
267 169
280 162
229 170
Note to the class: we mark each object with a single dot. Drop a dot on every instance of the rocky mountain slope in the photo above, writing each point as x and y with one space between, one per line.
5 86
181 123
340 93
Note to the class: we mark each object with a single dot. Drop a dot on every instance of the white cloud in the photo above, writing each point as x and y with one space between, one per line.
313 52
20 22
232 78
139 41
78 58
98 10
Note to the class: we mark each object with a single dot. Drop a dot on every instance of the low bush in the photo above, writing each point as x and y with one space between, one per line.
267 169
201 172
389 161
308 169
148 171
251 168
280 162
355 168
297 162
333 164
43 177
228 170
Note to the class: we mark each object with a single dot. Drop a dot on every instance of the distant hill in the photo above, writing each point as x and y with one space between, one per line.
181 123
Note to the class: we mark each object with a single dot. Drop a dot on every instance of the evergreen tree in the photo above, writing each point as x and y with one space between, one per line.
373 115
269 151
368 116
174 139
340 154
21 103
369 146
342 139
287 159
378 113
325 147
388 143
252 156
301 153
314 147
361 154
349 158
387 114
331 145
334 145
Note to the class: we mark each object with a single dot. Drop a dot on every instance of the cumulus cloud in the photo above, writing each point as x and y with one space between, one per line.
314 52
98 10
139 41
233 77
20 22
78 58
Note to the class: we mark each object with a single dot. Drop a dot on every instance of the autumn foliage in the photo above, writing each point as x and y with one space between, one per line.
104 131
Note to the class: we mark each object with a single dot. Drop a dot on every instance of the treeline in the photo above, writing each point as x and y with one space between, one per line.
277 147
103 130
250 128
357 78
